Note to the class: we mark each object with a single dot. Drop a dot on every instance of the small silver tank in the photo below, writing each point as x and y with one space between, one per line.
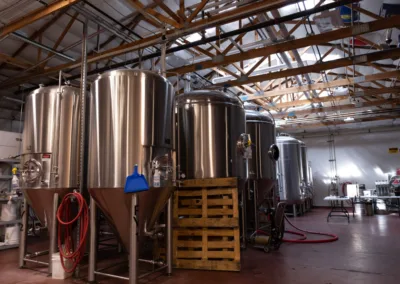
289 169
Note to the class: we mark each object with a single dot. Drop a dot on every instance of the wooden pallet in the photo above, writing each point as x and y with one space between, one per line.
206 225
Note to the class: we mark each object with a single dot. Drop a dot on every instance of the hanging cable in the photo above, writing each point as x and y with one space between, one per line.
68 252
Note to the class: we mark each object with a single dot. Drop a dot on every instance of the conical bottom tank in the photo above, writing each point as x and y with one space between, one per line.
130 124
116 206
41 201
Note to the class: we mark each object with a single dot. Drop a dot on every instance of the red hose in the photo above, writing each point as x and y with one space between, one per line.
68 251
304 241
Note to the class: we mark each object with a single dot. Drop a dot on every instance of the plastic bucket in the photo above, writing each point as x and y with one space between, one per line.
8 212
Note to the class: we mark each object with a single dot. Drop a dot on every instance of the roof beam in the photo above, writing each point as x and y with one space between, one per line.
199 7
14 61
294 44
343 62
37 33
333 98
338 122
339 108
154 14
35 15
326 85
173 34
168 10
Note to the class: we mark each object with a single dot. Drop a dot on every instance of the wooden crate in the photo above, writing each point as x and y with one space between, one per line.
206 225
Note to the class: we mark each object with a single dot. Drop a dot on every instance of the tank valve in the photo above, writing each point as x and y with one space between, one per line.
244 145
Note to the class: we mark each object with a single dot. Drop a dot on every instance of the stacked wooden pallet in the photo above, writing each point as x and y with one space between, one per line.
206 225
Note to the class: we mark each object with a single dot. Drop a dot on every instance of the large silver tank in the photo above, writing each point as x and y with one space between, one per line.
130 123
210 123
50 148
261 128
289 169
262 165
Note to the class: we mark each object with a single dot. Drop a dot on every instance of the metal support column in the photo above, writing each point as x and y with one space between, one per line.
169 237
23 236
133 250
53 231
93 241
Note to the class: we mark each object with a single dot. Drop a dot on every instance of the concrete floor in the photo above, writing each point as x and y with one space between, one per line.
368 251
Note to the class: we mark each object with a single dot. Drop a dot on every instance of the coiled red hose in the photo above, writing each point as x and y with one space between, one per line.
332 238
65 224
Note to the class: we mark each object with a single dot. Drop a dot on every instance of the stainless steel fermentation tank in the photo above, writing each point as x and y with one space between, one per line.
130 123
50 153
290 174
209 126
211 139
262 164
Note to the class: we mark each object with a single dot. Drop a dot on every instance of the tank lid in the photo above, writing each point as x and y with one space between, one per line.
132 72
287 140
208 96
253 115
54 88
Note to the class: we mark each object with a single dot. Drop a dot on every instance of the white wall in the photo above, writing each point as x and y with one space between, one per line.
361 158
9 144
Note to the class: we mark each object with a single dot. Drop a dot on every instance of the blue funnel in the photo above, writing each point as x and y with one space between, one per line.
135 182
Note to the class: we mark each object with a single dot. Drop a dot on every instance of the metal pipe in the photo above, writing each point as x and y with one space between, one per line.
151 272
186 82
111 275
154 262
53 232
92 241
163 59
169 237
112 19
37 253
89 15
215 38
133 250
112 265
42 46
37 261
23 235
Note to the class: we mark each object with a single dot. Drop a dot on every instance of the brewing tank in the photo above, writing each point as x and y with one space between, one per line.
130 123
261 128
289 169
50 148
209 126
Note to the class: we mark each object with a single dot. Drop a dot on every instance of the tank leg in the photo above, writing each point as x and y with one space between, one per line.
23 236
255 200
133 251
169 237
294 210
53 232
243 244
93 241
